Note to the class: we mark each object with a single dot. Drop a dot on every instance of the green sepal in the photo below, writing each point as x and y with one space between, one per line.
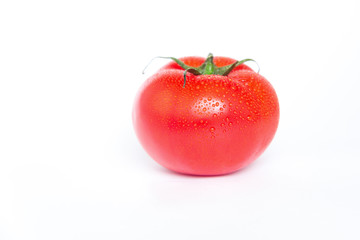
190 70
224 71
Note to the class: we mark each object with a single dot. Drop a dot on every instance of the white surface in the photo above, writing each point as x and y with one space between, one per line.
71 167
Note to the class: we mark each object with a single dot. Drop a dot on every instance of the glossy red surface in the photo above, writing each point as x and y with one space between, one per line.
215 125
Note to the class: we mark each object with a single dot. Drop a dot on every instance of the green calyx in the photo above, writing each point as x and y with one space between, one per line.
208 67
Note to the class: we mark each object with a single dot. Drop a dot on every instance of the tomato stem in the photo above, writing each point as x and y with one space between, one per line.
209 65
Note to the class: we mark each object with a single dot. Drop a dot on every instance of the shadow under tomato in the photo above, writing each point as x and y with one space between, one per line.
242 171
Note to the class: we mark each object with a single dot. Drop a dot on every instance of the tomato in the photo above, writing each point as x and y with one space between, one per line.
215 119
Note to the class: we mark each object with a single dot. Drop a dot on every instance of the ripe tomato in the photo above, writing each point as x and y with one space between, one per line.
215 123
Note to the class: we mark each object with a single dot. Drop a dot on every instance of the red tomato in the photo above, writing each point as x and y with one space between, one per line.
211 126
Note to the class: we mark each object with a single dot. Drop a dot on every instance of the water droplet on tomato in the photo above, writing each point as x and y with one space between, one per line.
212 129
215 115
204 109
223 124
217 104
230 124
209 98
249 117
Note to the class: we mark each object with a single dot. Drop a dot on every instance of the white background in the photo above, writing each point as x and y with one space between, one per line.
72 168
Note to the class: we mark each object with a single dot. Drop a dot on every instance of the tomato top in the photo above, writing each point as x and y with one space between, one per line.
209 66
198 61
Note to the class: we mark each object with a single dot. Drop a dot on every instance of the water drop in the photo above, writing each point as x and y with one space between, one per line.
217 104
215 115
212 129
230 124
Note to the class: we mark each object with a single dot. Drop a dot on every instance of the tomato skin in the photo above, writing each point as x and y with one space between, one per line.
215 125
